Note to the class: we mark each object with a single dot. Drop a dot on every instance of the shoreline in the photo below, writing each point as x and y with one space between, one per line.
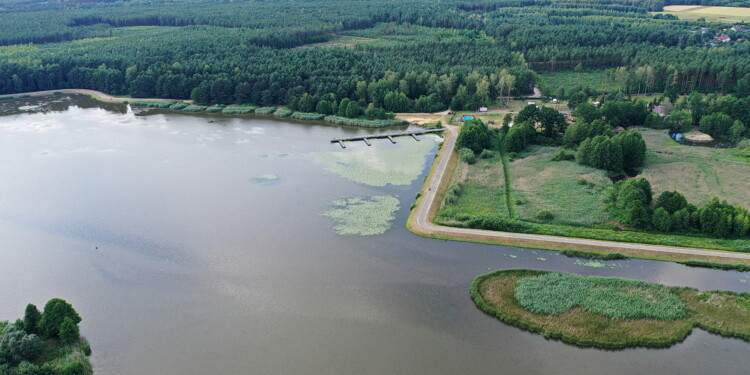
421 223
421 218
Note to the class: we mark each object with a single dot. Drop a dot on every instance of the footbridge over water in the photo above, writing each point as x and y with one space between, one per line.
390 136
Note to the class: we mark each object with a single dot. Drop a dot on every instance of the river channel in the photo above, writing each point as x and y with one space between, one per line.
197 244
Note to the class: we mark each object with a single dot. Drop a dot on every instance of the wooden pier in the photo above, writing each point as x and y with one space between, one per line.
390 136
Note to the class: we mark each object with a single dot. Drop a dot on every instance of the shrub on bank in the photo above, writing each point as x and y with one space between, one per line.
265 110
467 156
364 122
194 108
309 116
283 112
152 104
178 106
238 109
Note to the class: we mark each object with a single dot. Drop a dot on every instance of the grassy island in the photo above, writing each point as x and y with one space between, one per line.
608 312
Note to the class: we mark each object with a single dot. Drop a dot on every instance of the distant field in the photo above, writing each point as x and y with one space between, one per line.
595 79
341 41
728 14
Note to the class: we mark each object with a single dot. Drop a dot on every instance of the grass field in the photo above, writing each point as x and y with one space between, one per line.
699 173
599 80
539 184
724 313
480 190
726 14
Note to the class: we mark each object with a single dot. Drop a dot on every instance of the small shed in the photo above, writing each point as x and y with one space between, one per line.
482 109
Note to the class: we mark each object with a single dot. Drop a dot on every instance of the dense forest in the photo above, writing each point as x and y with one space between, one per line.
399 56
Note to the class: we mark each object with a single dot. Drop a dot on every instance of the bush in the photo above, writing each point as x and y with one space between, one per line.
309 116
363 122
178 106
31 318
69 332
194 108
86 348
476 136
498 223
55 313
238 109
671 201
467 156
563 156
283 112
17 345
582 181
662 220
265 110
544 216
149 104
73 368
488 154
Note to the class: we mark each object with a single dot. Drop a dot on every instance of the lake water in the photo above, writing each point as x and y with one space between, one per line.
182 258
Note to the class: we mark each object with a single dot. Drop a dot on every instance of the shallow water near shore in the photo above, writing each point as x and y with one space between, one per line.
184 256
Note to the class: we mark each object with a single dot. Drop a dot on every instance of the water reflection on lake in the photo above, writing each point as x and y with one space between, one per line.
196 244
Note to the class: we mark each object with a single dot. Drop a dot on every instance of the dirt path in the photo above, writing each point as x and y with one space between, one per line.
421 224
95 94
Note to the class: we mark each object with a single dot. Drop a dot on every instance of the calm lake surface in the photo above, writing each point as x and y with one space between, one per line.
183 259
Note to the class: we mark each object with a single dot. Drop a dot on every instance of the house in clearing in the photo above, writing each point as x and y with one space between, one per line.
722 38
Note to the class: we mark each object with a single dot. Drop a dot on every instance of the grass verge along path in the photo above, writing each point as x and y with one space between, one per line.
594 315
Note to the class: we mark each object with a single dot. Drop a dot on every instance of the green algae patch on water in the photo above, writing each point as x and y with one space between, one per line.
363 216
266 179
608 312
380 165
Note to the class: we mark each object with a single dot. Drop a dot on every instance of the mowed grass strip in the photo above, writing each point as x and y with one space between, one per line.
724 313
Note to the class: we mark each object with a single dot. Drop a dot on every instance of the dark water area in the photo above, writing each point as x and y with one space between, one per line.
180 262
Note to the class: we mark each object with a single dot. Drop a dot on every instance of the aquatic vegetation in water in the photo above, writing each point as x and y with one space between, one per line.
363 216
555 293
398 164
265 179
592 264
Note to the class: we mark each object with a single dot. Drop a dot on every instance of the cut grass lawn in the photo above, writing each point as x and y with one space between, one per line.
724 313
